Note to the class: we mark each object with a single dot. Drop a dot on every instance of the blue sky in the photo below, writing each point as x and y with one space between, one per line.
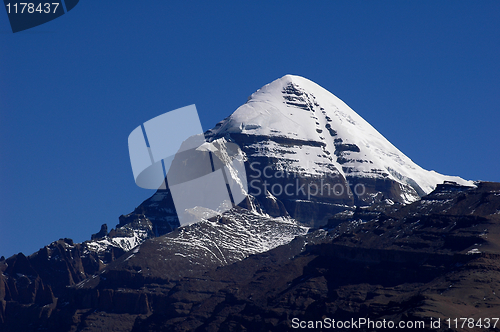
425 74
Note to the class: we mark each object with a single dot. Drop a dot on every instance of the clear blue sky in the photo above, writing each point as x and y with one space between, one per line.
426 74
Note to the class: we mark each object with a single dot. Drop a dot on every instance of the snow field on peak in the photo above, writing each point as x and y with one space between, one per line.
298 109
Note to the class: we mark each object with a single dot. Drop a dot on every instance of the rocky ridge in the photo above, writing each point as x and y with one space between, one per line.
429 259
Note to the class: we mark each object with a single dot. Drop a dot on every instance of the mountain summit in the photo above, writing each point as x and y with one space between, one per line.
294 129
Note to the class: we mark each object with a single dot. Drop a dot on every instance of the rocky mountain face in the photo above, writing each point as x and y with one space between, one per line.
336 223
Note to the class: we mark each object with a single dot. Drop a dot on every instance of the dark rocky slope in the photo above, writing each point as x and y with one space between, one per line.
438 257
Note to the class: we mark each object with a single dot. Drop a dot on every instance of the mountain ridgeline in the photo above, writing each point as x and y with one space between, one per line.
336 222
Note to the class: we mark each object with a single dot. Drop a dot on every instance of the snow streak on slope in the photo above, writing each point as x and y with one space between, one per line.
295 108
235 235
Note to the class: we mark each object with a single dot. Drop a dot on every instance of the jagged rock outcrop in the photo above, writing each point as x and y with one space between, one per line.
101 234
159 210
31 285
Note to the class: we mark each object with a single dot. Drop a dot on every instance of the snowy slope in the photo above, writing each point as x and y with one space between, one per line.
295 108
219 241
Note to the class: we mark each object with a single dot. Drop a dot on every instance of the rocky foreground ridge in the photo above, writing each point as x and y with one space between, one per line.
435 258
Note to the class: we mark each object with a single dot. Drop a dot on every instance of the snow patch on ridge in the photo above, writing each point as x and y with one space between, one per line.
125 243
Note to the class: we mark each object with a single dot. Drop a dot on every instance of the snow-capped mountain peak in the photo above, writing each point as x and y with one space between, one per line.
298 109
